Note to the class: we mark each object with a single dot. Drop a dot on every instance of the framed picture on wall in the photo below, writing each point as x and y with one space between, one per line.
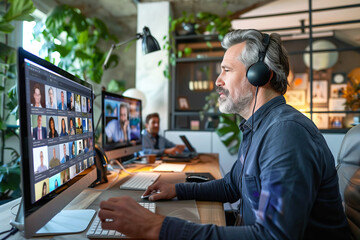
339 78
295 97
320 91
337 90
183 103
300 81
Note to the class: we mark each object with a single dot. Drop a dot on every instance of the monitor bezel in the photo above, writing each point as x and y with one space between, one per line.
114 151
83 178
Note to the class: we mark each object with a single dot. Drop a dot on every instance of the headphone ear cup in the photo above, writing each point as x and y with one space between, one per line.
258 74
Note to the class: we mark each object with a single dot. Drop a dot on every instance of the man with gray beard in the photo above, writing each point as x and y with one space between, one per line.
284 176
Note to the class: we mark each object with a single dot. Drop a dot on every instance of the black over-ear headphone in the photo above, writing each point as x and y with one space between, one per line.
259 73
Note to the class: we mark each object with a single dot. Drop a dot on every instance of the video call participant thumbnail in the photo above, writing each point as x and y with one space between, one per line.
52 127
54 181
50 97
83 104
70 101
39 132
38 91
77 103
40 159
41 189
64 153
63 128
72 147
61 99
118 130
54 156
80 149
89 109
71 130
79 127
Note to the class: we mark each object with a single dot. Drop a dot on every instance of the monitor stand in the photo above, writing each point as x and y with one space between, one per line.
65 222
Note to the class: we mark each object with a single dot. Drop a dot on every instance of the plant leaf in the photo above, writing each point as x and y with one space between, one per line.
6 27
19 10
229 133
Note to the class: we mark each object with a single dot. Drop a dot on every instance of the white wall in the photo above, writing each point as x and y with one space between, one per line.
334 142
149 76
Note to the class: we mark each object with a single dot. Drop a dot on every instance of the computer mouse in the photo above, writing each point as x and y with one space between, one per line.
197 178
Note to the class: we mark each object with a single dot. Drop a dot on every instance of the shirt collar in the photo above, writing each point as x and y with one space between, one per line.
261 113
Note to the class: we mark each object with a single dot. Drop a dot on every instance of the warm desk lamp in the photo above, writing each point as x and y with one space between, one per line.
149 44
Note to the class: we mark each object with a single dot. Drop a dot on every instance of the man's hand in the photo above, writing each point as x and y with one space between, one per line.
180 148
166 191
125 215
174 150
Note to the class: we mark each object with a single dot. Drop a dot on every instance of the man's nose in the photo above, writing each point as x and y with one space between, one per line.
219 81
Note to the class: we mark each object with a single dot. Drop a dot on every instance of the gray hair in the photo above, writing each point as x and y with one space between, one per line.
276 55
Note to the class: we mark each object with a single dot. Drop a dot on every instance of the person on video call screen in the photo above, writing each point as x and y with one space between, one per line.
118 130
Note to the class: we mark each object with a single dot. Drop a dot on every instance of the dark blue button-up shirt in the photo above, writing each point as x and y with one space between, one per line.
289 186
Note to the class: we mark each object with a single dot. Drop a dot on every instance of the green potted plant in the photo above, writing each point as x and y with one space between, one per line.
19 10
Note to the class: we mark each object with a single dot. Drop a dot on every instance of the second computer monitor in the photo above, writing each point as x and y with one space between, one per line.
122 124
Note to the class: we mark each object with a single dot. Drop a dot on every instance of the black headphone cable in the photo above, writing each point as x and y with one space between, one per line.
246 153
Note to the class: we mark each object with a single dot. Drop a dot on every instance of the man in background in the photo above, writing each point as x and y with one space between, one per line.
153 143
119 130
39 132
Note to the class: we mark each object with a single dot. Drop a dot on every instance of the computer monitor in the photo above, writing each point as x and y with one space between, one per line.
122 124
57 139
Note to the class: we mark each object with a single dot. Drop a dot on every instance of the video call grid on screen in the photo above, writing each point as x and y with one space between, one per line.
113 107
61 128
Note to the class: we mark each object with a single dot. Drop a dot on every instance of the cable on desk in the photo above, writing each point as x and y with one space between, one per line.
10 232
121 166
117 176
11 209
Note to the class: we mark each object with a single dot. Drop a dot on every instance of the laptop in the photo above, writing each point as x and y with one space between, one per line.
184 156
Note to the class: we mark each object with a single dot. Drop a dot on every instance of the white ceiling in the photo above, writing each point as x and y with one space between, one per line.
347 32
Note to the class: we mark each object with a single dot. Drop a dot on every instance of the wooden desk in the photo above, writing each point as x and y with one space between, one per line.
210 212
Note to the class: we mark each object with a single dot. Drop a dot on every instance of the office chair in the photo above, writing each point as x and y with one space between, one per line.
349 178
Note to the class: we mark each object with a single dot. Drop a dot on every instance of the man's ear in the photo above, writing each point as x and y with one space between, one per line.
271 75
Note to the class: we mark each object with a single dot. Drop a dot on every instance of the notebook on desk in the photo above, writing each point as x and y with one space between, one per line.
184 156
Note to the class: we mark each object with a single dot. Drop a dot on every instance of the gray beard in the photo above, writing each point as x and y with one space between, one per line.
239 106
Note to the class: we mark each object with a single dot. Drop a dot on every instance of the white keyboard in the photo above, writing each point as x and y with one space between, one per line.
140 181
95 230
